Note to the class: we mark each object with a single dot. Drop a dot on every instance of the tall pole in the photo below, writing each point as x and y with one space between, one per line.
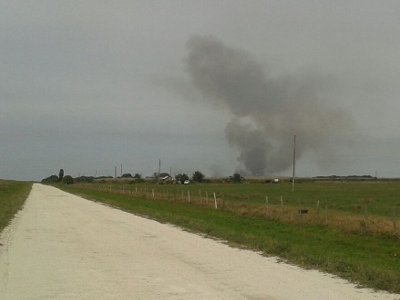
294 161
121 170
159 170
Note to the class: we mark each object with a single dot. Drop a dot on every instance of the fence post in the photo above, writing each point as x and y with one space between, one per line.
215 202
266 205
326 213
188 195
206 197
152 192
366 222
299 210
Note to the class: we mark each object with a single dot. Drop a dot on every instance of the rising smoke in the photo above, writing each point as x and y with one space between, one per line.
267 112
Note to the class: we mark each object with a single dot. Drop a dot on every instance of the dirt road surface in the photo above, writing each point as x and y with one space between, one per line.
61 246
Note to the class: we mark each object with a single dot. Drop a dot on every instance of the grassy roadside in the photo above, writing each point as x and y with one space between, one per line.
367 260
12 197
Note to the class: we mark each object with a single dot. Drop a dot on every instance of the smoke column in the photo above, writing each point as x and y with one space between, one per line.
267 112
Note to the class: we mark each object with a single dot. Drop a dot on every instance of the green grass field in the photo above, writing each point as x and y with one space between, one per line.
380 198
12 197
368 259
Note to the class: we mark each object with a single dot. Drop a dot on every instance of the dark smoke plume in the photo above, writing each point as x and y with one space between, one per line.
267 111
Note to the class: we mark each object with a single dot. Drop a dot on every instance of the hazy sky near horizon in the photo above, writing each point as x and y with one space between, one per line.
88 85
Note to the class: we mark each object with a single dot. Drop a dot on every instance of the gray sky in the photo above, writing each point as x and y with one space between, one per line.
88 85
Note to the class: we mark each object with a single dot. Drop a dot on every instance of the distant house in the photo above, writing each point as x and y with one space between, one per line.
161 178
166 178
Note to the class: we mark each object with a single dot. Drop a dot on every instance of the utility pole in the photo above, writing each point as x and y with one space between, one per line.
159 170
294 161
121 170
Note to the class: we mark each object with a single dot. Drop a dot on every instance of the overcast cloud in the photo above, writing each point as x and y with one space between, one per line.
88 85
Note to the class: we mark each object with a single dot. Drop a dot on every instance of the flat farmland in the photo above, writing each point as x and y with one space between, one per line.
379 198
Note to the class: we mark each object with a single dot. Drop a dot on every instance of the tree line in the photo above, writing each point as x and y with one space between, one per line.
181 178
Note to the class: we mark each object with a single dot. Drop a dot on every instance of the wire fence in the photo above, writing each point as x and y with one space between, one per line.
318 213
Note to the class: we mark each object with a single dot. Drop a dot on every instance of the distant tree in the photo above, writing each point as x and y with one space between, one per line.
67 179
60 175
181 177
103 177
237 178
84 179
198 176
126 175
137 176
50 179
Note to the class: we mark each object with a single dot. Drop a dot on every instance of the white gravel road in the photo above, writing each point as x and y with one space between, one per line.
64 247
